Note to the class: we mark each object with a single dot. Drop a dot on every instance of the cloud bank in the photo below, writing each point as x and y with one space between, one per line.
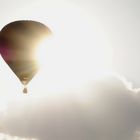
104 110
8 137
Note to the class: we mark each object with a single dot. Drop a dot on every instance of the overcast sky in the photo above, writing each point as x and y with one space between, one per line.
116 20
69 99
119 20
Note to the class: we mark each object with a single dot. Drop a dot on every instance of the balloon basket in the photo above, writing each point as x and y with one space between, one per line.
25 91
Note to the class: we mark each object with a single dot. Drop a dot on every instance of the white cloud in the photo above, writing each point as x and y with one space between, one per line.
9 137
104 110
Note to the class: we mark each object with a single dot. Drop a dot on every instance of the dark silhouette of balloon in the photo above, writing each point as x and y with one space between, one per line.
18 42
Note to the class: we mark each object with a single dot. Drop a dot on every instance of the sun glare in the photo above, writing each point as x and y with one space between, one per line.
41 51
75 54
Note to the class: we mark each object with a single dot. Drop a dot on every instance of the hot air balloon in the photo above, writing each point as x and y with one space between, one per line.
18 42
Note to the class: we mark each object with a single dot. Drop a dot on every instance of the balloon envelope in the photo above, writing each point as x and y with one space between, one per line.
18 42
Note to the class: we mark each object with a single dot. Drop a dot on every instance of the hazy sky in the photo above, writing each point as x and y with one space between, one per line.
81 92
117 21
